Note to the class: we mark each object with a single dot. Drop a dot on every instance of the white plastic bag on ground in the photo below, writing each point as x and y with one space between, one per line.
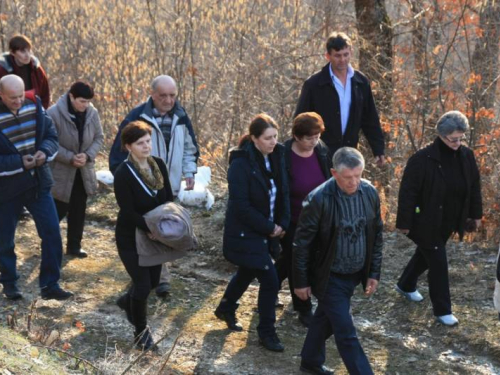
106 177
200 196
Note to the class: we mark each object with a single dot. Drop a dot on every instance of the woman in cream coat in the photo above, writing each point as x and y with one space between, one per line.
80 139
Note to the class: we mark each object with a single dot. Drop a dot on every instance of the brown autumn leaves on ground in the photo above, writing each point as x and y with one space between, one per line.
399 337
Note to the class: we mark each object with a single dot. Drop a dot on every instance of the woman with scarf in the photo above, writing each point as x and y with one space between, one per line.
80 140
440 194
257 217
141 184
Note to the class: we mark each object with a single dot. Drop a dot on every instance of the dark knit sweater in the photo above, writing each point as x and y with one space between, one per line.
456 188
351 238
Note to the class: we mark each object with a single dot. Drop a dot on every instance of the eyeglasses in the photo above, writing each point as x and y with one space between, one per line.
455 140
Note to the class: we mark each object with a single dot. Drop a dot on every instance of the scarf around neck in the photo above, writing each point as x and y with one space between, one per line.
153 180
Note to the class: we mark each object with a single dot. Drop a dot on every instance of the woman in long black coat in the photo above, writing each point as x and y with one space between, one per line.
257 217
141 184
440 194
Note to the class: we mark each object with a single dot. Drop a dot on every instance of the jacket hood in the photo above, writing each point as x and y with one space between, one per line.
6 61
62 107
176 110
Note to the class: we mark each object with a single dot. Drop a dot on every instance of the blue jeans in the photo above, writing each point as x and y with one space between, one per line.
333 316
268 292
41 207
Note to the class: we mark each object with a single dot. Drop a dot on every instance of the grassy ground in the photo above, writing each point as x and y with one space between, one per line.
398 337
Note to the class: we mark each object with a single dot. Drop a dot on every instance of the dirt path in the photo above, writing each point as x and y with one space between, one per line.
399 337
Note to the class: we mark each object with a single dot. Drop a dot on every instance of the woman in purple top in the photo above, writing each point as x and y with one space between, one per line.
308 165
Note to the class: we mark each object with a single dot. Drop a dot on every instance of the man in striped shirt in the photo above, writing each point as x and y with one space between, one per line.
28 140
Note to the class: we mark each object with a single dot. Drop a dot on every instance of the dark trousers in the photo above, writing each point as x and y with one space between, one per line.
41 207
75 210
434 260
268 292
284 268
332 316
144 279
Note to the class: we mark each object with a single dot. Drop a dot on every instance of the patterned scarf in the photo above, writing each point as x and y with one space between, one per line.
151 177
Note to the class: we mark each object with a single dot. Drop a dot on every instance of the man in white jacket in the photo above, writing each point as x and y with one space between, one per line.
172 139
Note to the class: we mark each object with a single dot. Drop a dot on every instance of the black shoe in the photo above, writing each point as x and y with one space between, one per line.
321 370
272 343
305 317
144 341
12 292
230 319
77 253
163 290
56 293
124 303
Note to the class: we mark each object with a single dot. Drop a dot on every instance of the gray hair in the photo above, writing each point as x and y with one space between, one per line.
347 157
162 79
452 121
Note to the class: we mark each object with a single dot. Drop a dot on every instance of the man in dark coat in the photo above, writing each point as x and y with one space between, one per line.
337 245
343 97
440 194
28 141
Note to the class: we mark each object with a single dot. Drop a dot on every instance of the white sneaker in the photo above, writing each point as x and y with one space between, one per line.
412 297
447 320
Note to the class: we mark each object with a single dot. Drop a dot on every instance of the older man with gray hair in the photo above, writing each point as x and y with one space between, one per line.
440 194
338 245
172 139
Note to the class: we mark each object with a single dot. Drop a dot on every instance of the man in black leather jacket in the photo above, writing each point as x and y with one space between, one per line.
338 244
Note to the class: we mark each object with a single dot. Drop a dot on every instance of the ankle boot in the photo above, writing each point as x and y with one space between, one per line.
143 339
124 303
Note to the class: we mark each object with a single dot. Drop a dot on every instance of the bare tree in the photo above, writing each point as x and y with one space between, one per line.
484 65
375 57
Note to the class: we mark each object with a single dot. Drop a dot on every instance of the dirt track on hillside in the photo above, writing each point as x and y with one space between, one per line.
398 337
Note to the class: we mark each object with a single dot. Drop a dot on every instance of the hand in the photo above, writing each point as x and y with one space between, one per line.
189 183
303 293
380 160
29 162
282 234
40 158
79 160
404 231
371 287
277 231
478 223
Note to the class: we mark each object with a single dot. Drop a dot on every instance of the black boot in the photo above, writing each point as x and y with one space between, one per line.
226 311
143 339
124 303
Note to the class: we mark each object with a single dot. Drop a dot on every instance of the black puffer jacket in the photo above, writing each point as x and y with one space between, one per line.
315 241
423 186
247 226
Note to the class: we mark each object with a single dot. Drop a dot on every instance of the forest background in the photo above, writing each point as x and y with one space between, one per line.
233 59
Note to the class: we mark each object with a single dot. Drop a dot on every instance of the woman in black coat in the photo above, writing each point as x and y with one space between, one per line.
257 217
141 184
440 194
308 165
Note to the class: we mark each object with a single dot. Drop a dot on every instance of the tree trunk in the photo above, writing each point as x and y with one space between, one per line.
375 53
485 72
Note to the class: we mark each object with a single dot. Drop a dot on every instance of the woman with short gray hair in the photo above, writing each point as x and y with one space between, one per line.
440 194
